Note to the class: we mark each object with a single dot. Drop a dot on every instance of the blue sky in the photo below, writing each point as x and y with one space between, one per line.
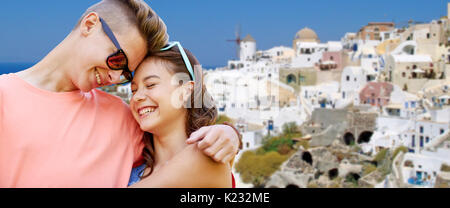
30 29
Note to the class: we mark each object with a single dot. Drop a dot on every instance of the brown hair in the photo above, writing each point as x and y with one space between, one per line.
197 116
123 14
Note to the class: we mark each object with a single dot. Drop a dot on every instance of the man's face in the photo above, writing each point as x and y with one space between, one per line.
96 47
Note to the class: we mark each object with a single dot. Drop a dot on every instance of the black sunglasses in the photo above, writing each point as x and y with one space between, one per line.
117 60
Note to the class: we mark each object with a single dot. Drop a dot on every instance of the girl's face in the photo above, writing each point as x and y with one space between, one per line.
158 97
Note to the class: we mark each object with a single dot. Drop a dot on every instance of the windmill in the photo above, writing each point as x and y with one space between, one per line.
237 41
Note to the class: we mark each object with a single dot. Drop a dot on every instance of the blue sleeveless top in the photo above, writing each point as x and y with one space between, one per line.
136 174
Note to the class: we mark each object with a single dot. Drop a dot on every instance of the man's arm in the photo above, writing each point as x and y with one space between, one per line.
220 142
189 169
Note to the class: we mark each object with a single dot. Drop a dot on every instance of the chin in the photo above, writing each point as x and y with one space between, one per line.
148 126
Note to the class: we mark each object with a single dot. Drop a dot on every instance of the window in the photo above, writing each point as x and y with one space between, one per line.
427 139
413 141
441 131
348 78
421 129
301 78
421 141
428 35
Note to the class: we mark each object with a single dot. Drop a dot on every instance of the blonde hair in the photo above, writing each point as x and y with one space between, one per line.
123 14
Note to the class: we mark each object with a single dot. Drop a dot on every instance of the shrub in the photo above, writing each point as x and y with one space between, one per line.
304 143
368 168
445 168
290 128
313 185
275 143
380 156
256 169
400 149
223 118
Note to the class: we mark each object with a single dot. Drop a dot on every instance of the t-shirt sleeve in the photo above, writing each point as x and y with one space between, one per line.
137 138
1 110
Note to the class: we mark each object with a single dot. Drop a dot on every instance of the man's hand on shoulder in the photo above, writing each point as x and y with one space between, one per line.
220 142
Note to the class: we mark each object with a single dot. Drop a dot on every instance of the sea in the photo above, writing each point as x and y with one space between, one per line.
6 68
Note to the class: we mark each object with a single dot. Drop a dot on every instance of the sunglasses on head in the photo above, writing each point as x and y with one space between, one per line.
183 54
117 60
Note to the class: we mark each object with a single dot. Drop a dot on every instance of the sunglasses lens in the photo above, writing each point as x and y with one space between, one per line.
117 61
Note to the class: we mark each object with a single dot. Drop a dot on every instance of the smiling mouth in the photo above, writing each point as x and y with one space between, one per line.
97 76
146 111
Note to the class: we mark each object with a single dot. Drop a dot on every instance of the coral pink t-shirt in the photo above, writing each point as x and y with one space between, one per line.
70 139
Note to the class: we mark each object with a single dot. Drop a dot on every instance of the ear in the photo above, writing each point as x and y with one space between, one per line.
89 23
187 90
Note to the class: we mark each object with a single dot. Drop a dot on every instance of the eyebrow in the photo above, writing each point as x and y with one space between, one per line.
151 76
148 77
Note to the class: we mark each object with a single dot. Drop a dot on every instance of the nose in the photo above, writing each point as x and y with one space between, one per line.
138 96
114 76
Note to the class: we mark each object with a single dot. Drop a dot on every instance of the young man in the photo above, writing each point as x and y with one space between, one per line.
58 130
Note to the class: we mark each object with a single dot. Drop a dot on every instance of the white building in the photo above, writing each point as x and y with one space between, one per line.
308 54
321 96
279 54
353 79
406 103
251 139
349 41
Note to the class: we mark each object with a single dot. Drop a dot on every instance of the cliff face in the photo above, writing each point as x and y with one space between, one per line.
336 165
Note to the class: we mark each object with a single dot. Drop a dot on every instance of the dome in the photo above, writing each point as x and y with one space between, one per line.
307 35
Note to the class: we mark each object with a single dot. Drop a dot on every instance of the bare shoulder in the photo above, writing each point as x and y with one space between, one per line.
213 174
192 154
189 169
